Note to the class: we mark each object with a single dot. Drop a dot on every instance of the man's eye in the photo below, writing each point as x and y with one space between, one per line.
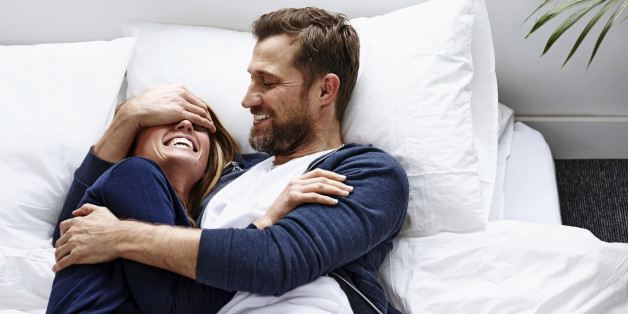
268 83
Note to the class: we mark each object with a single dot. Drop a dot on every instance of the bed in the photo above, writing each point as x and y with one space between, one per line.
483 232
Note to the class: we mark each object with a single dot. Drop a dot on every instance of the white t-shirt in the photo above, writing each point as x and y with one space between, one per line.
243 201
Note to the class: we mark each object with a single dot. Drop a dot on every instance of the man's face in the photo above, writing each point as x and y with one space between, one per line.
276 98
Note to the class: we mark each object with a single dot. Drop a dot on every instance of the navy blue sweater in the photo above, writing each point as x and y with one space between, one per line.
348 241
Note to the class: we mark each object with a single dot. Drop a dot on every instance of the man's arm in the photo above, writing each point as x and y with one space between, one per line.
314 240
309 242
171 248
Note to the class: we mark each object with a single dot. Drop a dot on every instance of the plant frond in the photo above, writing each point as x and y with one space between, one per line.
550 14
624 19
588 28
608 25
569 22
538 8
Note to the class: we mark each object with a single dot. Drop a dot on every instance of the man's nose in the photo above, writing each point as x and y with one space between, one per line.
252 97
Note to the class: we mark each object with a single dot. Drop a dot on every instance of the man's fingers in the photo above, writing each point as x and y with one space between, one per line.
85 210
64 226
61 247
62 263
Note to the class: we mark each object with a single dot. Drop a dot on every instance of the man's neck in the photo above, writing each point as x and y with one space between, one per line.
319 145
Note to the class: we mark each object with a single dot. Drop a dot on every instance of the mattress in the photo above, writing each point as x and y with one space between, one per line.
525 188
530 189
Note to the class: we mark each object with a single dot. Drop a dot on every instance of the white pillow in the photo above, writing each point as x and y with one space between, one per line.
210 62
413 98
57 100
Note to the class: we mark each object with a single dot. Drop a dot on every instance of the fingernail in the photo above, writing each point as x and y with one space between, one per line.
349 188
345 193
342 177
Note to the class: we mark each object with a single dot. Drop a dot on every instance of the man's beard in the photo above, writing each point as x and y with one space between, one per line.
283 138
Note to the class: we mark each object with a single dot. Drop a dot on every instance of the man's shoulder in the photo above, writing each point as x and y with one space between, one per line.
359 155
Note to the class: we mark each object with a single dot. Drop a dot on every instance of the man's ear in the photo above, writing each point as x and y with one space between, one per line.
329 88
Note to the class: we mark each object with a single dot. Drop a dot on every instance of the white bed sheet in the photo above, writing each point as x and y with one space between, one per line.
525 183
512 267
530 190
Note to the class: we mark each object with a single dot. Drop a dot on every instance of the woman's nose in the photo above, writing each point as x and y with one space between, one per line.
185 125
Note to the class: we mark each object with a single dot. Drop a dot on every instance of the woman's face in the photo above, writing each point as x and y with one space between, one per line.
180 149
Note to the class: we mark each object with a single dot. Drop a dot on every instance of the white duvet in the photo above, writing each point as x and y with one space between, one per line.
512 267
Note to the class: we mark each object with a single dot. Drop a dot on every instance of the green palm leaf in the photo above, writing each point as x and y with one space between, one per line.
538 9
569 22
586 30
608 25
584 7
552 13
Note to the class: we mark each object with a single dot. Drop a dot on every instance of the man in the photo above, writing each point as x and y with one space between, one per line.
303 70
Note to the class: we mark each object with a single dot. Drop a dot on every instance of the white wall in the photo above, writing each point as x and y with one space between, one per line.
582 113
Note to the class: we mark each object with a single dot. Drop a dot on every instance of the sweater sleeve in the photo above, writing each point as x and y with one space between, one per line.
314 239
136 188
87 173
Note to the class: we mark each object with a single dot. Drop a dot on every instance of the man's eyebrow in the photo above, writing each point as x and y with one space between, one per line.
264 73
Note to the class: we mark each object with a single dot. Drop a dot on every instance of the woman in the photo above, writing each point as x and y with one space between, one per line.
174 167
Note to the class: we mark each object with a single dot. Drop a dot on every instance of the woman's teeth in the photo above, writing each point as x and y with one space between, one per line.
181 141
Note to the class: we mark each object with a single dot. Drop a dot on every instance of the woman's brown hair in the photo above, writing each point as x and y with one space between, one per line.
222 150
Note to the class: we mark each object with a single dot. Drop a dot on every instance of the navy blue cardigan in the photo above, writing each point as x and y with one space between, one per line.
349 241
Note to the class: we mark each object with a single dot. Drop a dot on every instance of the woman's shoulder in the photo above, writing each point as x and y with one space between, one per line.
136 168
136 162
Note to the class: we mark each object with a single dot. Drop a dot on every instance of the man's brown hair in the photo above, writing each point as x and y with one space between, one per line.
327 44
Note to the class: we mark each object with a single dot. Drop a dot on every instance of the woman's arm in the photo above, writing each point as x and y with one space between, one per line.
133 189
159 105
87 173
308 188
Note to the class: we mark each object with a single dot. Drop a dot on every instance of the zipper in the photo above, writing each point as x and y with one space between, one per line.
359 293
322 158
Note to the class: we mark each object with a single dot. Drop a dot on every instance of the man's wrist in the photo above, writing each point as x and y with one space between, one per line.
130 238
168 247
